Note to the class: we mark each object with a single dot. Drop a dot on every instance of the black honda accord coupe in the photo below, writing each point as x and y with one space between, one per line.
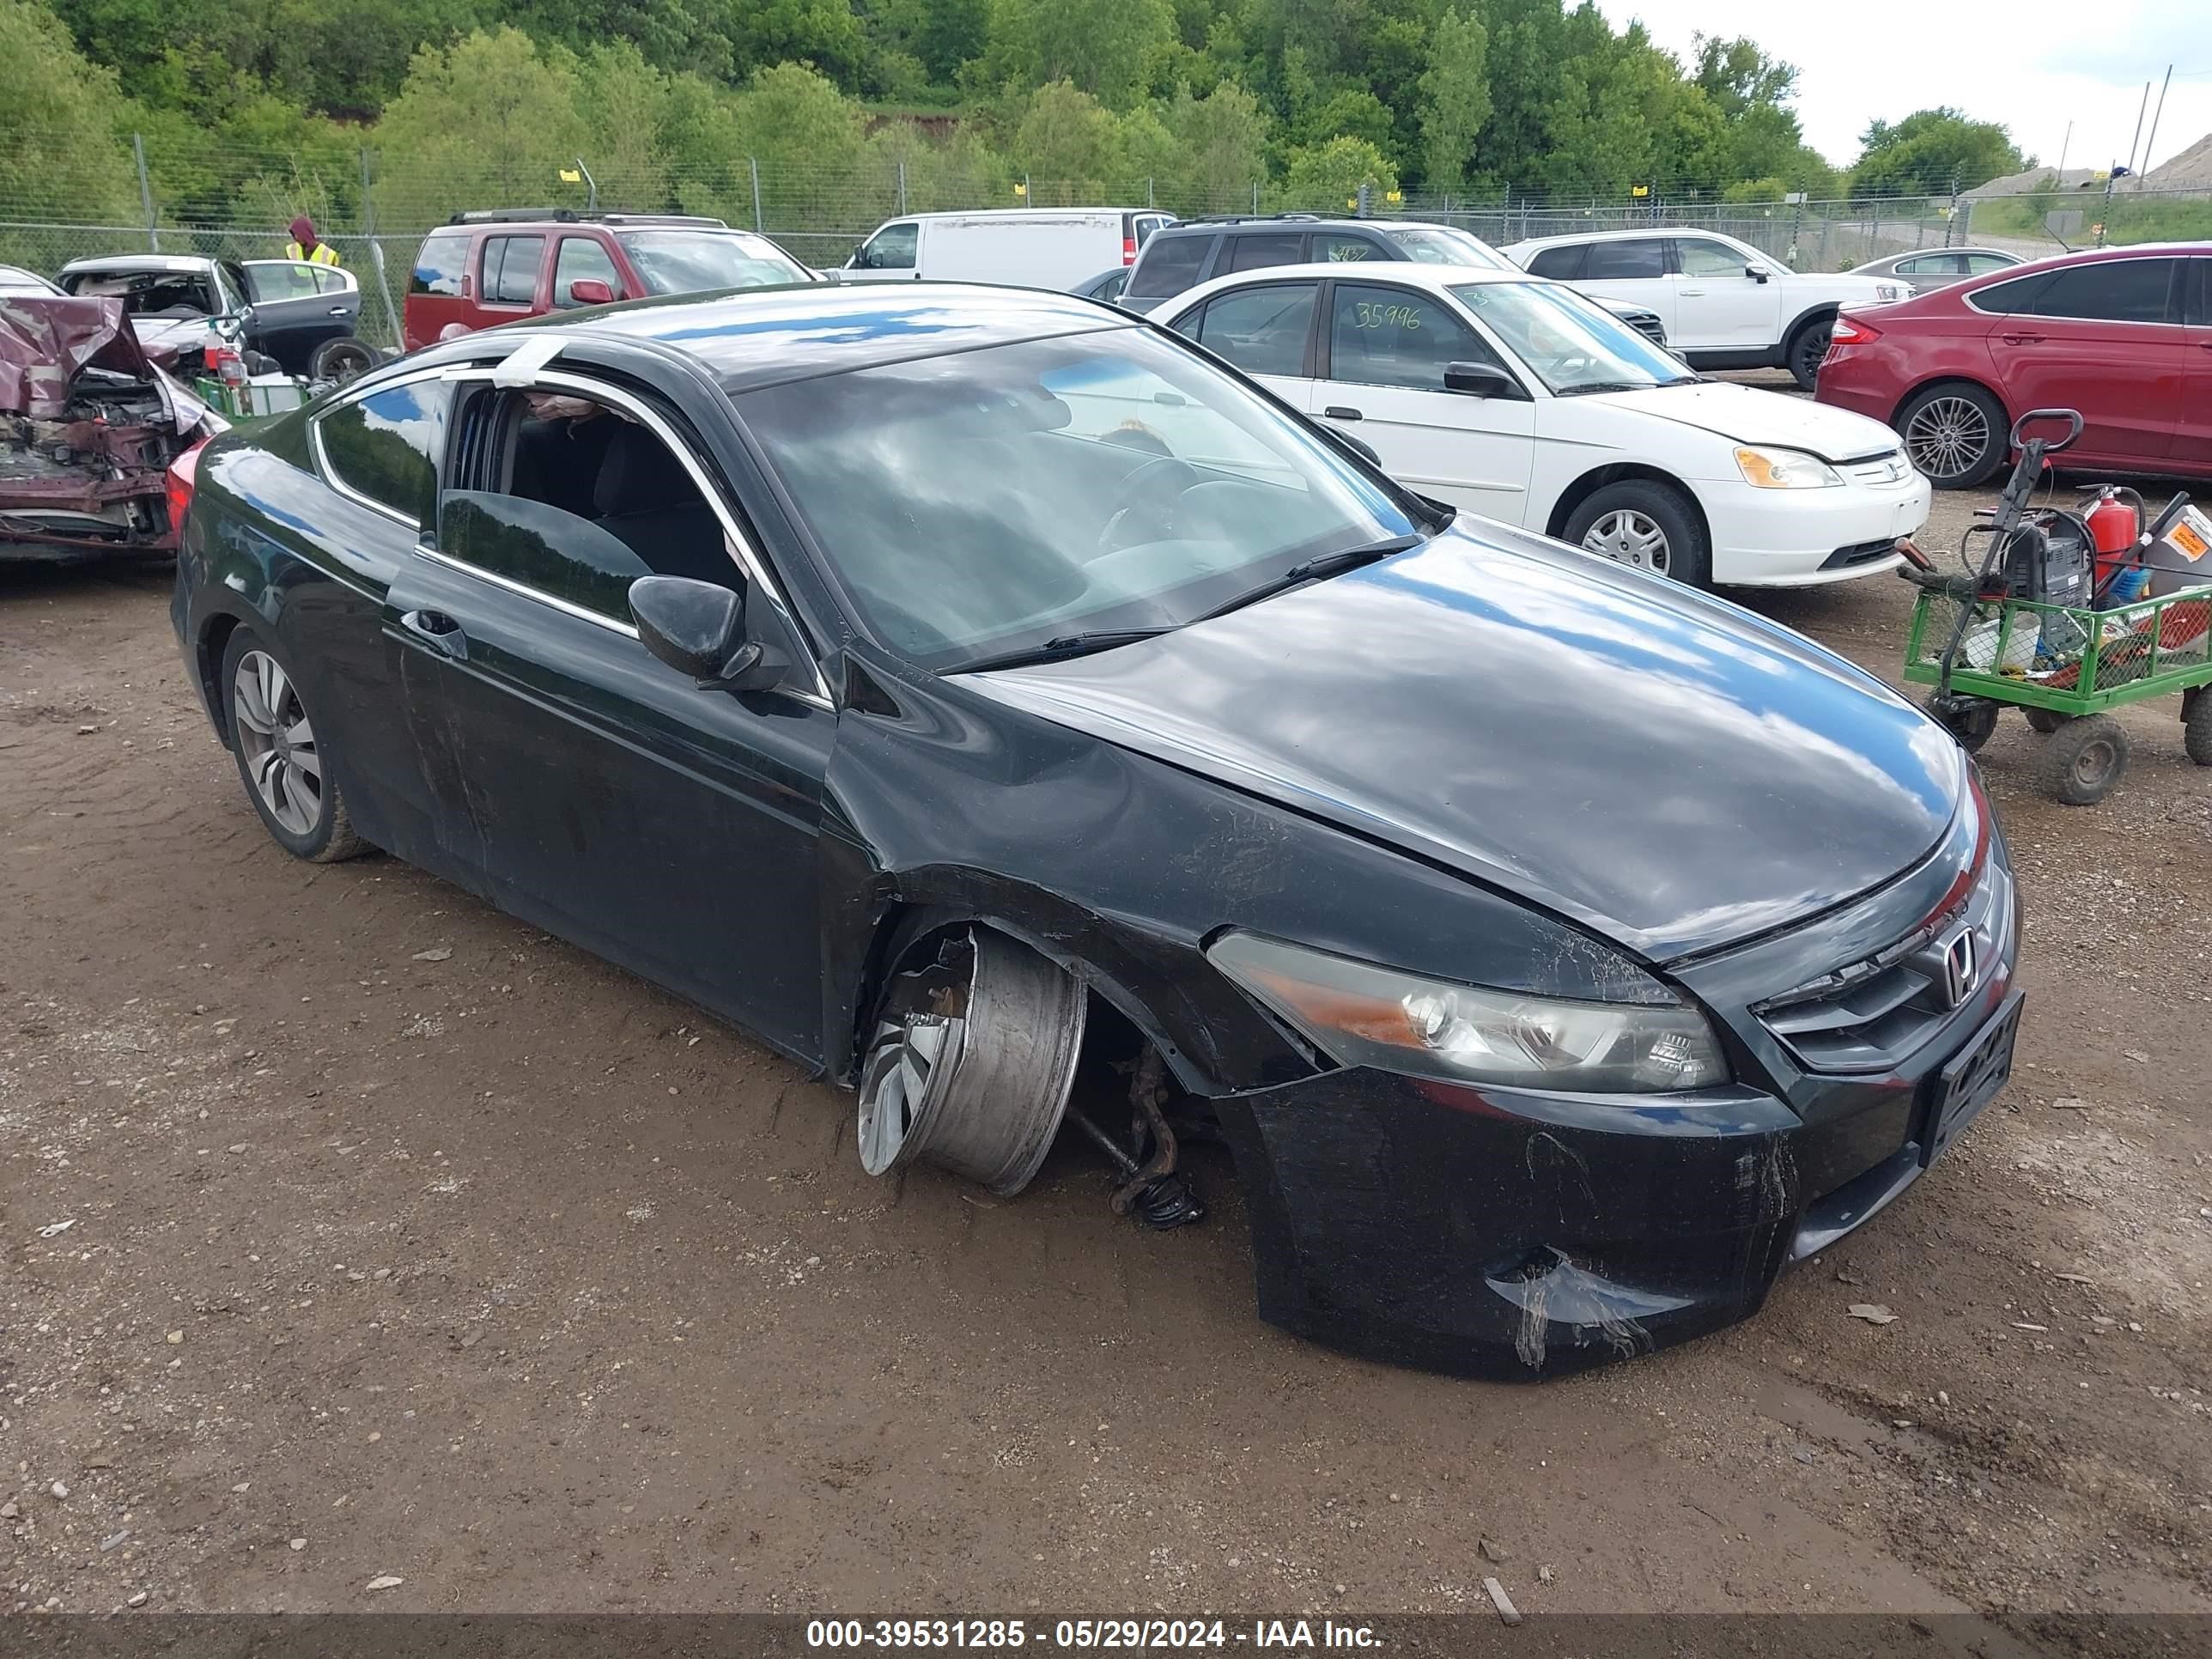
951 684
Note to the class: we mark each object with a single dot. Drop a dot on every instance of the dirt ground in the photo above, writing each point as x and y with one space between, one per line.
355 1231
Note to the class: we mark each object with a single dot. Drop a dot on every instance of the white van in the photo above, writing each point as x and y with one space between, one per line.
1034 247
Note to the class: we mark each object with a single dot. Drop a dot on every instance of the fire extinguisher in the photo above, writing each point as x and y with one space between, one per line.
2115 525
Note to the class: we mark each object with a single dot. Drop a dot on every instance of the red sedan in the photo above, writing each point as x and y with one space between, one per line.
2122 334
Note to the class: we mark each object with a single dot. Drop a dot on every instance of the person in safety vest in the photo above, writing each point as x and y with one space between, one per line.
303 244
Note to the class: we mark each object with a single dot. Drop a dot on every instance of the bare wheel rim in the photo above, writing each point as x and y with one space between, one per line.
276 742
2094 764
1946 436
1628 537
901 1067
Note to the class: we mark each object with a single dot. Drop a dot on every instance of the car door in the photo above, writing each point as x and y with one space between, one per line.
293 312
1719 304
583 784
1266 331
1383 352
581 257
1629 268
2105 338
892 254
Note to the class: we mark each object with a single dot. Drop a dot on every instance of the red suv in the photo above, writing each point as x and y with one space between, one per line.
484 269
2122 334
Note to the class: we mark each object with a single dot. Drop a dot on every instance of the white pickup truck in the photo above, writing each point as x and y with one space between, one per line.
1725 304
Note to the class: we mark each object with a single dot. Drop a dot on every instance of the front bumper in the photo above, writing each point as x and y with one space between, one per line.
1793 538
1516 1235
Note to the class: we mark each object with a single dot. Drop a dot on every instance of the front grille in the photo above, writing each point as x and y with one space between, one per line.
1887 468
1867 1015
1859 553
1649 327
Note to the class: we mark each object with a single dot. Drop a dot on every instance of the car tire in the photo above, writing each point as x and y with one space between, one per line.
2047 720
281 759
342 359
1972 722
1647 525
1809 343
2197 724
1956 433
2084 760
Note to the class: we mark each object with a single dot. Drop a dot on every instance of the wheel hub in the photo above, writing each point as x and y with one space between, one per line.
1627 537
1946 436
276 742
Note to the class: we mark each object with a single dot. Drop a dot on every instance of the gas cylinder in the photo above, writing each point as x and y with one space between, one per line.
2113 525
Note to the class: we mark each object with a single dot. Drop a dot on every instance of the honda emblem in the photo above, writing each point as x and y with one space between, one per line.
1959 968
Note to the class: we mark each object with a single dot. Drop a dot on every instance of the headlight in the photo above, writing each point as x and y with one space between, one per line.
1890 291
1784 469
1358 1014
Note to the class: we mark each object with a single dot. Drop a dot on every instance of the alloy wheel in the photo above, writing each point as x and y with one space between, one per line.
1946 436
277 743
1628 537
903 1064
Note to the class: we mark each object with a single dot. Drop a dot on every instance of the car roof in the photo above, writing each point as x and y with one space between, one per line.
762 337
1411 273
1020 213
1626 236
124 263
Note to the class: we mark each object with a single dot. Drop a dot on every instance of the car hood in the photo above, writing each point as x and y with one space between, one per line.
45 339
1745 415
1661 767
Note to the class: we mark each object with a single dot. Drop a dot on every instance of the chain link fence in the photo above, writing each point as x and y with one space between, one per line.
229 201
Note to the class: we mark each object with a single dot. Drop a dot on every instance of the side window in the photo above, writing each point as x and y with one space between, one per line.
1562 264
589 499
2110 291
582 260
385 447
329 279
1700 258
1397 336
1981 265
438 267
892 248
1274 247
278 279
510 270
1335 247
1263 330
1625 261
2004 298
1147 224
1167 265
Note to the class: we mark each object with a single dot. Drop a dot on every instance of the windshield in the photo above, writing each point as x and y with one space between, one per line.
694 261
1569 343
1440 245
982 504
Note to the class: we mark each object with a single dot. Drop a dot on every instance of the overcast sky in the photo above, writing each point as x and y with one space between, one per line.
2030 65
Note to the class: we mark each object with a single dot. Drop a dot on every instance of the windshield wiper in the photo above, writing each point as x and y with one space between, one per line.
1606 386
1314 569
1062 647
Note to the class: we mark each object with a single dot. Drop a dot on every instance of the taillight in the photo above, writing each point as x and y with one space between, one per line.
1852 330
183 474
1128 250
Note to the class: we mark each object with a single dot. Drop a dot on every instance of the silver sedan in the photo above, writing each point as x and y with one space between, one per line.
1938 267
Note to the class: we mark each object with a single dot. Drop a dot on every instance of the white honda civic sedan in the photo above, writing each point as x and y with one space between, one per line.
1518 399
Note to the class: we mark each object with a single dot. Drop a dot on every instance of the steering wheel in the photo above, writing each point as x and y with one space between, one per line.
1129 500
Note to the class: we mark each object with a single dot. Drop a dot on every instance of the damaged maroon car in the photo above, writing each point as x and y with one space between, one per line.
88 430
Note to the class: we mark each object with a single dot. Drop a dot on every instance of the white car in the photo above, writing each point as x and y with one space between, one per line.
1725 304
1522 401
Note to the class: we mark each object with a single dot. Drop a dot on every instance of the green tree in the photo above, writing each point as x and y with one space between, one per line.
488 123
61 152
1455 99
953 33
1929 151
1738 75
1223 138
1107 50
1326 177
1068 144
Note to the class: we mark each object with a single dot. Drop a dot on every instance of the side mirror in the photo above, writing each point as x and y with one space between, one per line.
591 291
1757 273
1480 380
699 629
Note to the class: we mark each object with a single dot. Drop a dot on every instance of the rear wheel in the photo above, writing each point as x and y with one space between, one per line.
1646 525
2084 759
1971 721
281 760
2196 723
2047 720
1954 433
342 359
1806 347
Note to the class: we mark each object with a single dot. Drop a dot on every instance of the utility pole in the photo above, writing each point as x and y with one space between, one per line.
753 162
2140 108
2065 144
2154 114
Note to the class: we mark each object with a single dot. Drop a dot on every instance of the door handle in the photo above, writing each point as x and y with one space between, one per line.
340 311
2024 339
1338 412
1690 292
438 631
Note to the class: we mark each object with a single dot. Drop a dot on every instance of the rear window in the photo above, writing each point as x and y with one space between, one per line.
384 446
438 267
2017 295
1252 252
1625 261
510 270
1562 264
1167 265
2109 291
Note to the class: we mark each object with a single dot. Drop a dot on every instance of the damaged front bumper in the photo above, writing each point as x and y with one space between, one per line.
1515 1234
